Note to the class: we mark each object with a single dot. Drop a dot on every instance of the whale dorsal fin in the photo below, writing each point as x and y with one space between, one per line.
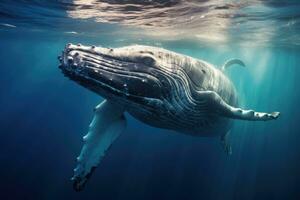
232 62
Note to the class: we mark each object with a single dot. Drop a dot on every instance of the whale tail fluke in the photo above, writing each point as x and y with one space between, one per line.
233 61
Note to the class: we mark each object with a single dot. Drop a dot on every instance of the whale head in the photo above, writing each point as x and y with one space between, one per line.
134 73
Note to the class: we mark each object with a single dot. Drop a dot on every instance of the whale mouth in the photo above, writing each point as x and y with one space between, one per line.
107 73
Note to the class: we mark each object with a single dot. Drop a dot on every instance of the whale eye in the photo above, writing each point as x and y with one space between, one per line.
148 60
196 74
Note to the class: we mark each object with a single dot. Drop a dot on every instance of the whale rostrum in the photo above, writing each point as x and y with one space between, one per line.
158 87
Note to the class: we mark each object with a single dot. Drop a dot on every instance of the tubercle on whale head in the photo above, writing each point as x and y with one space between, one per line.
112 72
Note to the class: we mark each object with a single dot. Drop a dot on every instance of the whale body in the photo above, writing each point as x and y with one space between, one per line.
158 87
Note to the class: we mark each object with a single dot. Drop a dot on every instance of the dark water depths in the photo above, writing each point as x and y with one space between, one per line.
44 115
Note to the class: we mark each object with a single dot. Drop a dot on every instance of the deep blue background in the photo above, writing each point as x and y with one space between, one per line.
44 115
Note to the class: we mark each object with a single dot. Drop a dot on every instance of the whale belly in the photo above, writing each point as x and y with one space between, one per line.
187 121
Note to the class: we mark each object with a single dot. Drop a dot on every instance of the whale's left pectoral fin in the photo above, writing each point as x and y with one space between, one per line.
108 123
229 111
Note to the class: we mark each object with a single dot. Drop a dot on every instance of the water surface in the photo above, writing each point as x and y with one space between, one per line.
44 115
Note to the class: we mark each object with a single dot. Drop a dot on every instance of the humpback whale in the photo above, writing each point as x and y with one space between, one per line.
156 86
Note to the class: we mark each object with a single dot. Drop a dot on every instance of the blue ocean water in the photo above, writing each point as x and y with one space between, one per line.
44 115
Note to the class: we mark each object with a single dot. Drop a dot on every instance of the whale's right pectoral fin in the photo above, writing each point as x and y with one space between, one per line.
226 110
251 115
108 123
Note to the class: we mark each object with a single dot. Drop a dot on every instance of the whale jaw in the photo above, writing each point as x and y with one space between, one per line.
108 72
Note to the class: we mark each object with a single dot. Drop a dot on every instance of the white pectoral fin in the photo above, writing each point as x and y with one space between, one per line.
107 124
252 115
237 113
